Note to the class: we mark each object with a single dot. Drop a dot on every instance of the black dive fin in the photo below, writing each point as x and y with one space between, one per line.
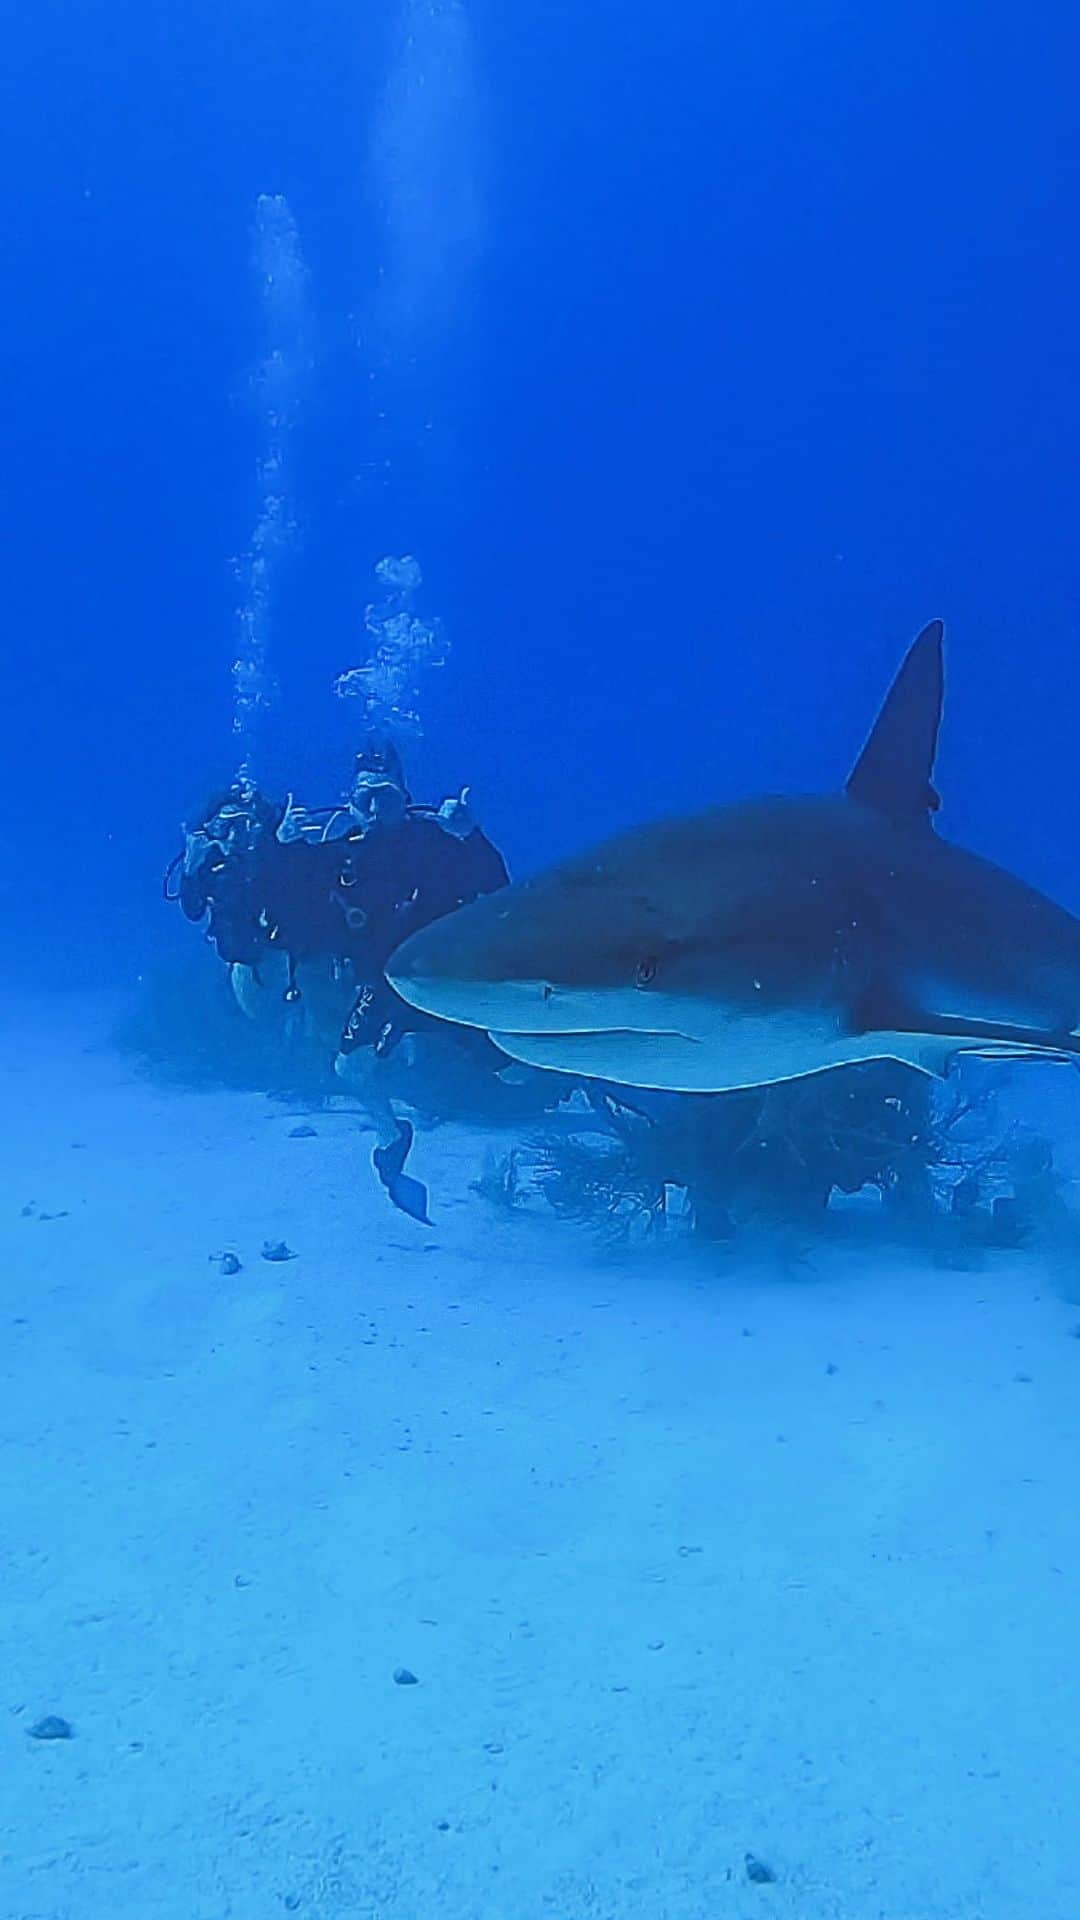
407 1194
894 772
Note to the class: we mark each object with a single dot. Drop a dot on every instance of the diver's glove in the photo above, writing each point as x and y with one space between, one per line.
316 825
201 849
457 816
233 828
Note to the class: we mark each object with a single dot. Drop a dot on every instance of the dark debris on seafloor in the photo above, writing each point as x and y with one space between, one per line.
930 1153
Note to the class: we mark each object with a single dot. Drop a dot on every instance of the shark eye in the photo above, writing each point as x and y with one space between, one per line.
645 973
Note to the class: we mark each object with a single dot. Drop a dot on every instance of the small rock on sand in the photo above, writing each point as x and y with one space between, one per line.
758 1871
52 1727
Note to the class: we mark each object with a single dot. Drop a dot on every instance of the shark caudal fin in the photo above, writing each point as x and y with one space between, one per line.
894 772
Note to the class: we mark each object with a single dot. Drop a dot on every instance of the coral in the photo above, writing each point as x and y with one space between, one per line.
778 1154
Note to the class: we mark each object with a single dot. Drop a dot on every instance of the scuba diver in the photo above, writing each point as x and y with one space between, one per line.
219 872
341 885
374 871
327 894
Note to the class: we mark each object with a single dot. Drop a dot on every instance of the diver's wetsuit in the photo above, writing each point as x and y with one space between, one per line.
390 881
222 871
351 898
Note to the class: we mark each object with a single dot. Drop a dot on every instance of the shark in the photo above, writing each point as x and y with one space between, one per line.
768 940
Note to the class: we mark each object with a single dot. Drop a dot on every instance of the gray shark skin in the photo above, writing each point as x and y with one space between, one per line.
767 940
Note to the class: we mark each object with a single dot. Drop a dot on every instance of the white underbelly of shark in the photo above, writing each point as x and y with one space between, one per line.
753 1053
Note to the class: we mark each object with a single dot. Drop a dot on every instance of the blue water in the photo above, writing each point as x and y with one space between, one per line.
700 357
742 343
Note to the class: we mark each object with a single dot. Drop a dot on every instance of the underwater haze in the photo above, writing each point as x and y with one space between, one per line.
700 360
434 1485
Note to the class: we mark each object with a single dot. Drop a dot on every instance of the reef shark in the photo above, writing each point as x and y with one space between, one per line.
768 940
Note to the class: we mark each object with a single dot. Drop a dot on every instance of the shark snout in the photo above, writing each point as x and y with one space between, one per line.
501 964
435 972
521 1006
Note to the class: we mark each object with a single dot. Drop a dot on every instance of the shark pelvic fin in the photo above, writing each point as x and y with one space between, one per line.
925 1039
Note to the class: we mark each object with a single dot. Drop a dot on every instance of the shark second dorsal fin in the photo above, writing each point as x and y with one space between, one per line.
894 771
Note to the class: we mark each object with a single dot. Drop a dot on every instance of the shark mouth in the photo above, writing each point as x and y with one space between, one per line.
509 1037
655 1058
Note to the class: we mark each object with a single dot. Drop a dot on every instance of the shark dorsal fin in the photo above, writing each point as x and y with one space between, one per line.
894 771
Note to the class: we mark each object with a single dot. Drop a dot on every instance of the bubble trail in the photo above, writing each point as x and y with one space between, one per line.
278 383
425 170
402 648
425 178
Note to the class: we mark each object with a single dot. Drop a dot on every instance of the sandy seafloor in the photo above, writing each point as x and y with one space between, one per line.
693 1555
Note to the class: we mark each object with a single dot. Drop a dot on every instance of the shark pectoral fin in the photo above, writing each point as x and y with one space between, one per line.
926 1052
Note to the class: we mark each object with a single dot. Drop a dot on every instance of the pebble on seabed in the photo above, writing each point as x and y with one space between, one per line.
302 1133
50 1728
403 1678
758 1871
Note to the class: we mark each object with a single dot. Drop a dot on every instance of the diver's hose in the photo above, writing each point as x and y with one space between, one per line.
169 876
